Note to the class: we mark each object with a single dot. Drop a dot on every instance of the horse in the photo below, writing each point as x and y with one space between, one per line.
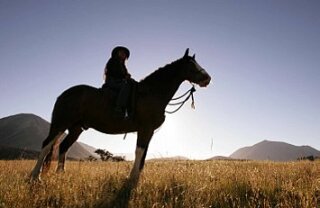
81 107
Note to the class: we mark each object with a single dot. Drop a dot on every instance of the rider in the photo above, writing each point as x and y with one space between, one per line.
116 76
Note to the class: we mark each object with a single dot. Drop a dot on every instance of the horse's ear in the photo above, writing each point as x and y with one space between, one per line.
186 54
194 56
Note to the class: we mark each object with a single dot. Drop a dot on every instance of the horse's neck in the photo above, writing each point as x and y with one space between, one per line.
167 90
164 85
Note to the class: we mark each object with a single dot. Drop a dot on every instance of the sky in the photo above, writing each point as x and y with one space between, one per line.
263 56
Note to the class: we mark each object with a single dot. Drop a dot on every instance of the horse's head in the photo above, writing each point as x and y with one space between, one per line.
193 72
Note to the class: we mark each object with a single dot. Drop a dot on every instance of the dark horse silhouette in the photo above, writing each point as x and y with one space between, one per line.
84 106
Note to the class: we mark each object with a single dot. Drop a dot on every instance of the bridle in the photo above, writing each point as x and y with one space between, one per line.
189 94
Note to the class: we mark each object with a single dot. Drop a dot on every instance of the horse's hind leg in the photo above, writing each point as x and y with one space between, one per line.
46 148
73 135
50 156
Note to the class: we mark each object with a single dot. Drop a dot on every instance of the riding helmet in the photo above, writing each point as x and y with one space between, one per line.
119 48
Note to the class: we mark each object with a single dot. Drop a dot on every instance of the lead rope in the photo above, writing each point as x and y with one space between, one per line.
191 91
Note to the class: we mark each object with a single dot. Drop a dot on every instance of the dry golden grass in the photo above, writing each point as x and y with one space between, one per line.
165 184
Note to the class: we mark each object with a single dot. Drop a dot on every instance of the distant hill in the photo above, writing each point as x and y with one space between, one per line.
24 131
89 148
273 150
23 134
221 158
168 158
11 153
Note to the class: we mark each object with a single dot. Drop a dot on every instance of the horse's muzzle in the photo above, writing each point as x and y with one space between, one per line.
205 82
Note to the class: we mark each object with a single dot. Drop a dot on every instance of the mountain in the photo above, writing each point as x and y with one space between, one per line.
11 153
90 149
25 133
273 150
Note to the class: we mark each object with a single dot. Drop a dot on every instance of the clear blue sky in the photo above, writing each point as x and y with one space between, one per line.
264 57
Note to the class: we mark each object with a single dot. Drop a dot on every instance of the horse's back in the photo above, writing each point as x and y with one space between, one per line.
73 102
77 90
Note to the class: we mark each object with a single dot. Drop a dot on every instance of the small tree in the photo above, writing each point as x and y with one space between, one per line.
91 158
108 155
104 155
118 158
310 158
100 152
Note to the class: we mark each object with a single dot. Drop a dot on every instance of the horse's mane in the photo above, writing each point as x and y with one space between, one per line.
162 73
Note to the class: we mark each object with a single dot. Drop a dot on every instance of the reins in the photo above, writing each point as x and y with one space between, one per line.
189 94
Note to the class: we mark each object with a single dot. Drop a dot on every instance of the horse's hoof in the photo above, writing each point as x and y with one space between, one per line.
34 180
60 171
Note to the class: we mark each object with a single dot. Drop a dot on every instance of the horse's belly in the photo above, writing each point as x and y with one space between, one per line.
116 127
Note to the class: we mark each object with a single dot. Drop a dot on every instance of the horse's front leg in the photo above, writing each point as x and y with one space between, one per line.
144 137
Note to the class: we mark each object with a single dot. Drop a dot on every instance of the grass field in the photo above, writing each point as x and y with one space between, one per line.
165 184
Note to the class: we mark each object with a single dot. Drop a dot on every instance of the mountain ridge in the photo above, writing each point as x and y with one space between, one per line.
25 132
274 150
